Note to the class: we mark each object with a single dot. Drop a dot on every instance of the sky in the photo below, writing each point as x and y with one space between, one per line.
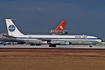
40 16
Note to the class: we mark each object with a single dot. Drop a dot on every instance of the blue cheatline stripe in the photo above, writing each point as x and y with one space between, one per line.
50 38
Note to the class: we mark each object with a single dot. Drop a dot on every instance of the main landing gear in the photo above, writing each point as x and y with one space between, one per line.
4 44
52 45
90 45
35 44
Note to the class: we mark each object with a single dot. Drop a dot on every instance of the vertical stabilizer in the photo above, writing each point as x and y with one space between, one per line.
12 29
61 26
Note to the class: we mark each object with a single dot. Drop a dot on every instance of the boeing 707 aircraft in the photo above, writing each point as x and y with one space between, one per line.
52 40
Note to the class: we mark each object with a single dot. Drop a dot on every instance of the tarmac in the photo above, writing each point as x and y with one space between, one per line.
57 46
62 57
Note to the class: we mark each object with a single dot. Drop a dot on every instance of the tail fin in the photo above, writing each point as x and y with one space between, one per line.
12 29
61 26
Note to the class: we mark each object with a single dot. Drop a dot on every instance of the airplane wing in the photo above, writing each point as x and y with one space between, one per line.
57 42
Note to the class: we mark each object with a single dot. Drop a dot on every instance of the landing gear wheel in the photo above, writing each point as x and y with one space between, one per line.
32 44
4 44
38 44
90 46
52 45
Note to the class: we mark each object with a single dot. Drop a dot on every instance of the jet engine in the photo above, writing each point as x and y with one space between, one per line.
60 42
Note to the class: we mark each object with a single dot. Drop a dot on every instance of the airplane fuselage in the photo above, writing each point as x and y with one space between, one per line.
72 39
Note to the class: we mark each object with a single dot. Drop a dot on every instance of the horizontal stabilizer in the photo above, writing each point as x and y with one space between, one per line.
9 36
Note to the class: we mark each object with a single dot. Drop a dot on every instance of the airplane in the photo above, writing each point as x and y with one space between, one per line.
60 29
51 40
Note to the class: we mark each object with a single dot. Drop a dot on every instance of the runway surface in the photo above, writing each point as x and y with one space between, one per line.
62 57
58 46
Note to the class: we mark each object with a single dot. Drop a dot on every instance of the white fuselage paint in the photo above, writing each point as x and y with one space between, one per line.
74 39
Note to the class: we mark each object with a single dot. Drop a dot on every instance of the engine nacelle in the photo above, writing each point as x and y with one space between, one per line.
59 42
59 32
